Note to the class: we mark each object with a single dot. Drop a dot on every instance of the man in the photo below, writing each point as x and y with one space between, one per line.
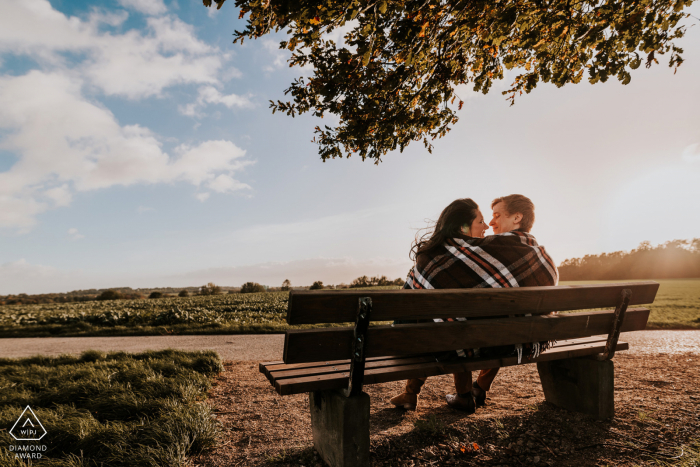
510 258
514 212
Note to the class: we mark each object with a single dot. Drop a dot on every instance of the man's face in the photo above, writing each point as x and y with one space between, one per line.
503 222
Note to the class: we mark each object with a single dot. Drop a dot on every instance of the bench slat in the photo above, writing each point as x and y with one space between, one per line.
287 386
340 306
280 371
409 339
269 367
345 366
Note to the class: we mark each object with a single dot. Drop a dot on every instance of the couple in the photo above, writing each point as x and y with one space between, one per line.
457 254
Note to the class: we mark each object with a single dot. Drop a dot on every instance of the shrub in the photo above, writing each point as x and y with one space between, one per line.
316 285
210 289
365 281
183 293
109 295
252 287
156 295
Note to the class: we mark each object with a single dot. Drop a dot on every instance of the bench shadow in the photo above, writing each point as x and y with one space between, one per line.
441 436
543 430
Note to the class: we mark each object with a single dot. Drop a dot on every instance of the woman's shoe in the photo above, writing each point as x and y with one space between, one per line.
465 403
406 401
479 395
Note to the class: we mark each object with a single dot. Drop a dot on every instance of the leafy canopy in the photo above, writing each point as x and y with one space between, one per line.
394 79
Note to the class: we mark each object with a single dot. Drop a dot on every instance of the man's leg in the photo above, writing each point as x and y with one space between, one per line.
409 398
483 384
486 377
463 400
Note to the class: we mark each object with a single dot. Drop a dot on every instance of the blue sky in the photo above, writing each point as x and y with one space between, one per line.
137 149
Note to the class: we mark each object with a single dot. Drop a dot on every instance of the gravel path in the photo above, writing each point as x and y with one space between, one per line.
268 347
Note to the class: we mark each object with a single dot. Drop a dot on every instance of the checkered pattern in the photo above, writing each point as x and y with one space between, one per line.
512 259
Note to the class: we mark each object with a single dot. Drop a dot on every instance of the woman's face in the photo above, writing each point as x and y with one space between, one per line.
478 227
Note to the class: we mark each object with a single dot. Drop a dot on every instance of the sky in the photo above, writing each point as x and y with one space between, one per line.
137 149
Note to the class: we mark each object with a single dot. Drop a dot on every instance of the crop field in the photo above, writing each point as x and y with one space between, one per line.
677 306
212 314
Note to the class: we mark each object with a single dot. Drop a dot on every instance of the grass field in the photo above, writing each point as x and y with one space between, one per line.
677 306
118 409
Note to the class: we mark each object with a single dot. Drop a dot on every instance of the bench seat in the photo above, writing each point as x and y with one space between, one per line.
306 377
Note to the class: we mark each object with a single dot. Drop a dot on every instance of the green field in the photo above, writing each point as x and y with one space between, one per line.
677 306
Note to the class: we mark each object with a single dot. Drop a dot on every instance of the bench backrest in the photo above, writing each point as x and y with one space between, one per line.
324 307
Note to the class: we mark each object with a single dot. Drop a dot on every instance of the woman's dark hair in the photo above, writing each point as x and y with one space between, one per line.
448 225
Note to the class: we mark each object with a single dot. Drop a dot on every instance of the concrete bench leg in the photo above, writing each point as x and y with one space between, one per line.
580 385
341 428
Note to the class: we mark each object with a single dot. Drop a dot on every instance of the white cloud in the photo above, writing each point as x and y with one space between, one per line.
143 209
279 55
202 196
19 212
300 272
22 276
231 73
61 195
89 150
133 64
224 184
74 234
21 271
691 154
148 7
211 95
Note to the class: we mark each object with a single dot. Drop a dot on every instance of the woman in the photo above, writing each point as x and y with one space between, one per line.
462 219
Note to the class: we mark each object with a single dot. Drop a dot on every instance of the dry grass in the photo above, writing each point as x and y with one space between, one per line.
657 422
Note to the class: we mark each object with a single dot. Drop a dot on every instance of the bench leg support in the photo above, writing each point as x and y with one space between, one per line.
340 427
580 384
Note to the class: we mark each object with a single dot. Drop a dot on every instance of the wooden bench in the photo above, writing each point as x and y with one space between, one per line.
333 363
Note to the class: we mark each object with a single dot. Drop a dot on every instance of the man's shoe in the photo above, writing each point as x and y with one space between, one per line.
479 395
406 401
461 403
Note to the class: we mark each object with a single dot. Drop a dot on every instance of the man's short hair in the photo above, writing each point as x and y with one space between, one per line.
515 204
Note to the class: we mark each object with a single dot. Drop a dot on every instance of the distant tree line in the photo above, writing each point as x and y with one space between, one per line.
365 281
676 259
127 293
119 293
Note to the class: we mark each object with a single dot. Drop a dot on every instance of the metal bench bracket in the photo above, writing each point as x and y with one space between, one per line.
614 335
359 344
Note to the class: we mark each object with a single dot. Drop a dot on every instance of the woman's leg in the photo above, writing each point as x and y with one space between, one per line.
409 398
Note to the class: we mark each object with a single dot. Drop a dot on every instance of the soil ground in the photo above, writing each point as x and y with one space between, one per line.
657 421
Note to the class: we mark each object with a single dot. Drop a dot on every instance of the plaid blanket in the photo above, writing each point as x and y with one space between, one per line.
512 259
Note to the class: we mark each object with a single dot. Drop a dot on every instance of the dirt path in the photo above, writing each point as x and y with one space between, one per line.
268 347
241 347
